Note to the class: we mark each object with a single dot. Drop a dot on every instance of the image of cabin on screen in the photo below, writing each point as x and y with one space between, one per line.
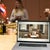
33 30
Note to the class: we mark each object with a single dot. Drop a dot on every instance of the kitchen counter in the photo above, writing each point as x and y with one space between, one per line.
7 42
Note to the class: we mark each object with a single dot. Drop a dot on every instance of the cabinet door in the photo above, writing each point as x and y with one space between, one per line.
33 8
1 29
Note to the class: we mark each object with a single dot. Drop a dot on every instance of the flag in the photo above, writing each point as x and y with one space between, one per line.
3 10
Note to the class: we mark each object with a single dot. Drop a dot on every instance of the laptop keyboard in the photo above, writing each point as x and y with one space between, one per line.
33 45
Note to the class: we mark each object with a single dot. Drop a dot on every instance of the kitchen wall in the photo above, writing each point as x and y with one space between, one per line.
35 8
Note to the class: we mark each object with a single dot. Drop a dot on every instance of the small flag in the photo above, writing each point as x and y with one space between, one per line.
3 10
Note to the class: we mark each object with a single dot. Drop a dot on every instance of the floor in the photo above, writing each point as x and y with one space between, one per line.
7 42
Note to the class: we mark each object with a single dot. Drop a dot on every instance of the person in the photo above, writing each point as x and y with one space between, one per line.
19 12
47 14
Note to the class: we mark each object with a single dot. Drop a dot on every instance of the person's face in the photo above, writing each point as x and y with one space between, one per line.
18 4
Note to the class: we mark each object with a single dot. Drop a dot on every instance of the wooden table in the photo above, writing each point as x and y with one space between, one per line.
7 42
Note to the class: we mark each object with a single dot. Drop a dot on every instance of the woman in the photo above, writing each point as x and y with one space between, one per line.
18 13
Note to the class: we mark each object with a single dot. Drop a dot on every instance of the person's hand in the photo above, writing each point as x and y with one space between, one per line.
18 18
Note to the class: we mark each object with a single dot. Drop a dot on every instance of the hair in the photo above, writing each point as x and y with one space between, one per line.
20 2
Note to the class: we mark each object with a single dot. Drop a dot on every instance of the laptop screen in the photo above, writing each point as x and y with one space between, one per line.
33 31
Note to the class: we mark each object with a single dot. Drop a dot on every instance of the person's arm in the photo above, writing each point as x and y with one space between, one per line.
25 15
12 15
